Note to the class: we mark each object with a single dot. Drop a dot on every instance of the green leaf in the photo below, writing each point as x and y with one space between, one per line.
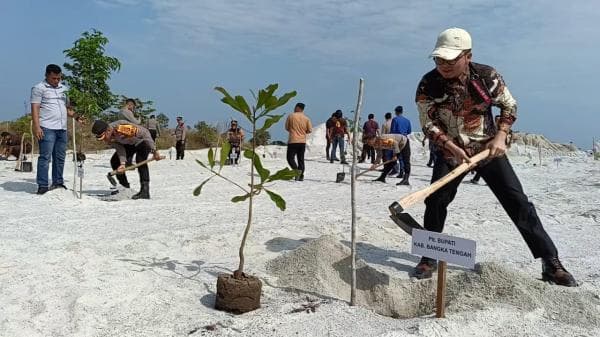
240 197
264 94
279 202
224 153
211 158
276 103
262 172
227 99
245 109
284 174
198 189
270 121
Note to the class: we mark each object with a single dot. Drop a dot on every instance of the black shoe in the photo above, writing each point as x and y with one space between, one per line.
331 161
344 163
336 159
301 177
554 272
144 192
429 165
425 268
381 178
473 181
403 182
392 172
58 186
42 189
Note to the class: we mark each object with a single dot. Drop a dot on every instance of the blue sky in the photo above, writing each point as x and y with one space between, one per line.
175 52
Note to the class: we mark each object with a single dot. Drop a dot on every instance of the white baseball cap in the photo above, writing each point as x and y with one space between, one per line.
451 42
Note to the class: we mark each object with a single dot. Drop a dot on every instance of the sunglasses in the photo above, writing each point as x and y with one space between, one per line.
440 61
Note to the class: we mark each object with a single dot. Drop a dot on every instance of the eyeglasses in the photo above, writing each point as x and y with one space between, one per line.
440 61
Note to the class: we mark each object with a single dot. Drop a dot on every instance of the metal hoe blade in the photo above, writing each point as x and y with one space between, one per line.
404 220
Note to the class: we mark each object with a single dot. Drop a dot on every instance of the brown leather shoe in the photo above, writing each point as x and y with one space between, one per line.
554 272
425 268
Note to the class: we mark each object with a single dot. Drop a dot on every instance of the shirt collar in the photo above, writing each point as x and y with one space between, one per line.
59 86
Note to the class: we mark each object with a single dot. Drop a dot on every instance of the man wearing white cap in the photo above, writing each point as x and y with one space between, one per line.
455 103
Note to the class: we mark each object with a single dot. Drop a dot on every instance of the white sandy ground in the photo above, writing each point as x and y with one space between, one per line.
86 267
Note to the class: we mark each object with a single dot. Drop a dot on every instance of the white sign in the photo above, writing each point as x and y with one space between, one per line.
443 247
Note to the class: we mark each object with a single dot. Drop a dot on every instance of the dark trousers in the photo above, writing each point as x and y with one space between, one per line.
368 151
235 148
327 147
504 183
153 134
180 148
296 151
404 158
141 153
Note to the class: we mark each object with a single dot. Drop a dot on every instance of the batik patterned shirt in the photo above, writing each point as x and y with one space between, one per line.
461 111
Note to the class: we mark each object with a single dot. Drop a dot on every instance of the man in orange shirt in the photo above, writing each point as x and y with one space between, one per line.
298 126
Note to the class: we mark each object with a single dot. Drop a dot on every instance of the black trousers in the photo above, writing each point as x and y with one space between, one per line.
327 147
153 134
180 149
368 151
504 183
296 151
141 153
405 158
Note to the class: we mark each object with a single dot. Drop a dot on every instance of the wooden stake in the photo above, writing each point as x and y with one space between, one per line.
361 86
441 290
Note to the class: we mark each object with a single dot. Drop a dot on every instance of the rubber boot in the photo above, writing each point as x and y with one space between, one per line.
144 192
404 180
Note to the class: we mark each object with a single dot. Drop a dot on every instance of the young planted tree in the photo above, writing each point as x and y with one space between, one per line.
88 74
239 292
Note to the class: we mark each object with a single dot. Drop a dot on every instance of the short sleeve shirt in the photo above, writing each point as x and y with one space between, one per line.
53 104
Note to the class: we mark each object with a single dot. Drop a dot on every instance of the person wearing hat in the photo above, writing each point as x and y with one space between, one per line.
128 139
180 137
401 125
235 137
455 102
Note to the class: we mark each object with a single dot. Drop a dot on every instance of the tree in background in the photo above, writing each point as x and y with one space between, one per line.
163 120
143 108
263 137
88 74
207 135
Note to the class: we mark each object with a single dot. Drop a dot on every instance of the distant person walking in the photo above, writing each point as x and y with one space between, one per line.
455 102
49 110
153 126
328 126
180 138
337 133
298 125
401 125
370 130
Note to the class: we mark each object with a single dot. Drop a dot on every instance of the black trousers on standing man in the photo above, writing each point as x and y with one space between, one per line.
296 151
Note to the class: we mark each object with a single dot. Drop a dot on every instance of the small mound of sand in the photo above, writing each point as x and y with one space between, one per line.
323 266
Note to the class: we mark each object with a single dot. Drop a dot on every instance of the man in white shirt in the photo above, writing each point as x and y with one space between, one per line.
49 111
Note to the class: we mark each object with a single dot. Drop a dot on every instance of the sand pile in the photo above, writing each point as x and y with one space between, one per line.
322 266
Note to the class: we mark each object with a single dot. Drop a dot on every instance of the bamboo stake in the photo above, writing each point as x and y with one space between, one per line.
353 191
